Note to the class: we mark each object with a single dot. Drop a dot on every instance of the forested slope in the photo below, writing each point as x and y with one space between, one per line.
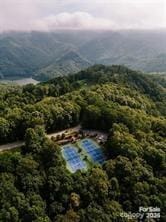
44 55
35 184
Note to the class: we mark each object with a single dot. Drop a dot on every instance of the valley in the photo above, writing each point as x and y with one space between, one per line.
45 55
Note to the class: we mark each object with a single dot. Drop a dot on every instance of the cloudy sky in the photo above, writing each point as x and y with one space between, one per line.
48 15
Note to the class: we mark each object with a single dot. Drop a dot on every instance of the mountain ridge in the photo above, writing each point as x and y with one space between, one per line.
25 54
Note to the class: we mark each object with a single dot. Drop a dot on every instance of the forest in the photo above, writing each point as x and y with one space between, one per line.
34 182
45 55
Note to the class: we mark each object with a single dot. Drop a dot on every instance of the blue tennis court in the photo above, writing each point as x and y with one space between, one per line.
97 156
72 158
94 151
69 152
76 164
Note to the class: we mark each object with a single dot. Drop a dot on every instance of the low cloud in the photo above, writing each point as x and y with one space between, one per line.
46 15
76 20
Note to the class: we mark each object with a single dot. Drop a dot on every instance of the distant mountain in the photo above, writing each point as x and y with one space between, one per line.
22 54
158 64
46 55
70 62
139 50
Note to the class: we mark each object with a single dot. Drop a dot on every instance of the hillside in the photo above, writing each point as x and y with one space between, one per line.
139 50
23 53
41 55
71 62
35 184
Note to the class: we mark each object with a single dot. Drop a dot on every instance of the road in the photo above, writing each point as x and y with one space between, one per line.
17 144
10 146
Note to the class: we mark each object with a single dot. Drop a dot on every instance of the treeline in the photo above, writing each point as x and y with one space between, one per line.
96 107
23 107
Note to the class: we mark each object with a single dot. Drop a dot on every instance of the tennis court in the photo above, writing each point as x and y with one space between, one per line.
72 158
69 152
94 151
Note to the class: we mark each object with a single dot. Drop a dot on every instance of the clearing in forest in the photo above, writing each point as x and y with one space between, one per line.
82 154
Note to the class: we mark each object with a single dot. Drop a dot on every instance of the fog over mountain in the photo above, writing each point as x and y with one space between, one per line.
45 39
42 15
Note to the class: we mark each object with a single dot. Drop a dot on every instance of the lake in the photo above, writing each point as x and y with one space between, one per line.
21 82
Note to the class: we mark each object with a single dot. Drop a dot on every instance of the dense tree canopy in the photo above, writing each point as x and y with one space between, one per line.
34 182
